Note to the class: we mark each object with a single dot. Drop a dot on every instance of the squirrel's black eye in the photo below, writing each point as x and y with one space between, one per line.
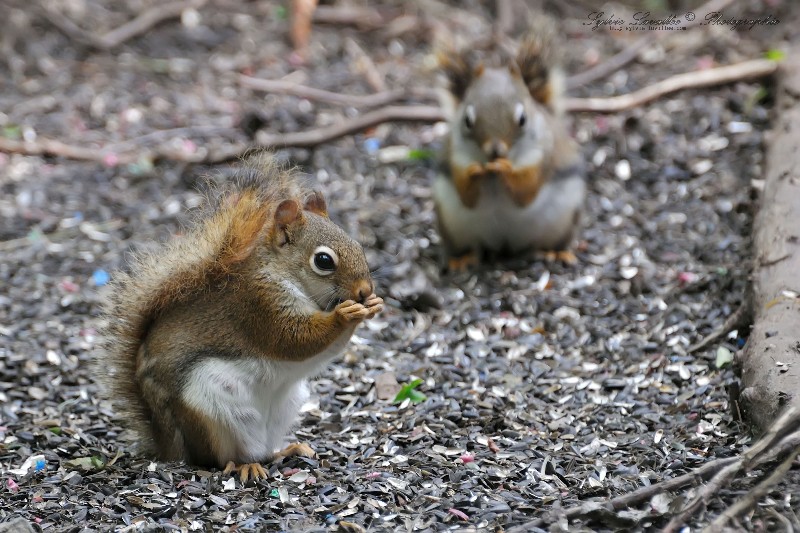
469 117
323 261
519 115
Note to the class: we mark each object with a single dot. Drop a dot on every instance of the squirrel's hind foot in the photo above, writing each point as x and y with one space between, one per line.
462 263
297 449
246 471
565 256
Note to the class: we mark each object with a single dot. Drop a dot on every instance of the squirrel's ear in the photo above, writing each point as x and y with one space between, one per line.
536 59
316 204
288 212
456 69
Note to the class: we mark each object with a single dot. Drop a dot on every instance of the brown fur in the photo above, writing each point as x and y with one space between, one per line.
206 294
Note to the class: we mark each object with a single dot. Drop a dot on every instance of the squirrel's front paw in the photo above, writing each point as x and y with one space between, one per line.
500 166
475 170
374 305
350 311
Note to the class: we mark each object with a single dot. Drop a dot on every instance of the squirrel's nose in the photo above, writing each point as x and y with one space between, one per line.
495 150
362 290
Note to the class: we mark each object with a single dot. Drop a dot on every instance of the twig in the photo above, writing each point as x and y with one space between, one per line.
743 316
143 22
52 147
782 437
787 524
612 64
704 495
365 65
321 95
364 18
629 53
755 68
314 137
636 497
751 498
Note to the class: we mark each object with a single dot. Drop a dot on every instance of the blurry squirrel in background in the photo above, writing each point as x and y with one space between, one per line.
514 179
211 339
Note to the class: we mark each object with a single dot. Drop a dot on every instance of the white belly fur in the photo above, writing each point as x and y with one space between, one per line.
254 401
497 223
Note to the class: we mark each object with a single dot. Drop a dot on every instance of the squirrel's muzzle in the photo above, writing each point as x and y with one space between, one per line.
361 290
495 149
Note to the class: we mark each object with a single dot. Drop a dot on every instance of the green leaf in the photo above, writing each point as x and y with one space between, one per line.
12 131
87 463
56 430
408 392
724 357
775 55
420 155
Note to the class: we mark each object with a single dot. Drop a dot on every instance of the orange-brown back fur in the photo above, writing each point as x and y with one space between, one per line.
204 257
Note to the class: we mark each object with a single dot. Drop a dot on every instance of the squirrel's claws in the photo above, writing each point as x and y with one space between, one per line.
565 256
297 449
374 305
246 471
475 170
463 263
351 311
500 166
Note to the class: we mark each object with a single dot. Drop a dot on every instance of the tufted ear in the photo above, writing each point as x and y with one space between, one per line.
287 213
316 204
456 69
536 59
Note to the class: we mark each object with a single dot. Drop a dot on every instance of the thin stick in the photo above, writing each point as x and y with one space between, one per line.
704 495
303 139
321 95
52 147
751 498
612 64
755 68
639 495
137 26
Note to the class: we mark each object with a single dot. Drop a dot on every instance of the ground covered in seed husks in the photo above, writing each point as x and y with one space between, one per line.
546 385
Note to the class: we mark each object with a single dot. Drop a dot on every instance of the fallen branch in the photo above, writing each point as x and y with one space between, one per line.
782 438
321 95
132 150
741 318
137 26
304 139
751 498
755 68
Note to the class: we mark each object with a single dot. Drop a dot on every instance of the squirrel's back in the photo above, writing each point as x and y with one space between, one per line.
205 256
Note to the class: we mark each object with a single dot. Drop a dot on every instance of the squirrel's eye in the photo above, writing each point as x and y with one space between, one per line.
324 261
469 117
519 115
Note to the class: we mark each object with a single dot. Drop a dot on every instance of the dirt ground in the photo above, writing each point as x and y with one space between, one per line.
546 384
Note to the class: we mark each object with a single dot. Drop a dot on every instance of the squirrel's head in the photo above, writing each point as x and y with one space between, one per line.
497 110
496 105
322 261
